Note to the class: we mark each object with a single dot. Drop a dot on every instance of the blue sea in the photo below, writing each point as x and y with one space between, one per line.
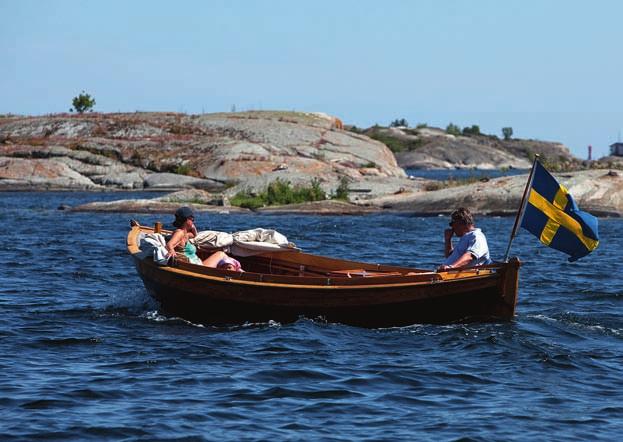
462 174
85 354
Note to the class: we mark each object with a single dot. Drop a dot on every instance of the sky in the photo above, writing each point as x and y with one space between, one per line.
551 70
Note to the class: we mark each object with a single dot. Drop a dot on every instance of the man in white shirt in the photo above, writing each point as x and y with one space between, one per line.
471 250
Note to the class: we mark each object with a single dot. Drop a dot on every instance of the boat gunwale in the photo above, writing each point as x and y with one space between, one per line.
369 281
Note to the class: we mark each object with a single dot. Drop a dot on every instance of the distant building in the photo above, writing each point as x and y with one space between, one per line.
616 149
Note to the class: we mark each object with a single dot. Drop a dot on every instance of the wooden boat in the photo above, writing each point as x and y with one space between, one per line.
284 286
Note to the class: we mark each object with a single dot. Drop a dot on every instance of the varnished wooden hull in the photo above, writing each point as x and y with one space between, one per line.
214 297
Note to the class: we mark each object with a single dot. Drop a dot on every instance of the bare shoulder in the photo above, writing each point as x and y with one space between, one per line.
177 236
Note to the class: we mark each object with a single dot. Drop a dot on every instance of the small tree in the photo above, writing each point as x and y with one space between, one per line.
83 102
453 129
341 193
507 132
474 130
399 122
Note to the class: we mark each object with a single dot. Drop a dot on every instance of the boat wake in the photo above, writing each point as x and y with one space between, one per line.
577 323
156 316
134 302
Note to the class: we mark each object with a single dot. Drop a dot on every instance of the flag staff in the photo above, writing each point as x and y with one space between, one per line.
522 208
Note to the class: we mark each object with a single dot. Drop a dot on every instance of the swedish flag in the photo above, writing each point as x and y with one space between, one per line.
552 215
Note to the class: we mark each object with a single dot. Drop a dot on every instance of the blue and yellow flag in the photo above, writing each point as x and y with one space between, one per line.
552 216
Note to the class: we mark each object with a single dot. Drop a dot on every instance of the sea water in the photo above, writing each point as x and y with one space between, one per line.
86 354
463 174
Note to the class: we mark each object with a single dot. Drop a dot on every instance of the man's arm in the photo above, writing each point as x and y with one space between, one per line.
447 234
463 260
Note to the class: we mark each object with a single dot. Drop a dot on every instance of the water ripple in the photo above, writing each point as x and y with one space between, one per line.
90 356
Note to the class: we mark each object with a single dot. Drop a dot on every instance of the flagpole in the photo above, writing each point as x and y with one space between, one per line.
522 208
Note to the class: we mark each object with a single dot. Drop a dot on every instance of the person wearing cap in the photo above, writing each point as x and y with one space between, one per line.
471 249
179 245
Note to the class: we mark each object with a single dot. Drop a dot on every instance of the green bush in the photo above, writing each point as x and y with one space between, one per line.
354 129
247 199
399 122
507 132
182 169
279 193
83 102
396 144
453 182
341 193
316 191
453 129
474 130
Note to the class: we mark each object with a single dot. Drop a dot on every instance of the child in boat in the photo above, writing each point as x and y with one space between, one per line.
229 263
179 245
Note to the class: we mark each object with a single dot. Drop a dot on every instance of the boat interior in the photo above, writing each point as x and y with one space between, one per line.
294 265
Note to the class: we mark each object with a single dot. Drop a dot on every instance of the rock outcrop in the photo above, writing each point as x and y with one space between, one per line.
216 155
433 148
199 200
212 151
597 191
26 174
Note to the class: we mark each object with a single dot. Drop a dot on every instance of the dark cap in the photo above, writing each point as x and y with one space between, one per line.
182 214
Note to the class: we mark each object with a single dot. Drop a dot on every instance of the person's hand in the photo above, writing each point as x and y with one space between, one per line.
171 258
443 268
448 234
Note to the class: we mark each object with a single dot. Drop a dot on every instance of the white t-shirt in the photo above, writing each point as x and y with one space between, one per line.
473 242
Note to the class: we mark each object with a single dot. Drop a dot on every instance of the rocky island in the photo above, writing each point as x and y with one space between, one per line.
209 159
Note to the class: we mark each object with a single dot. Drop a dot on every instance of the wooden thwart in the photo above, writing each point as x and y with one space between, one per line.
362 273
